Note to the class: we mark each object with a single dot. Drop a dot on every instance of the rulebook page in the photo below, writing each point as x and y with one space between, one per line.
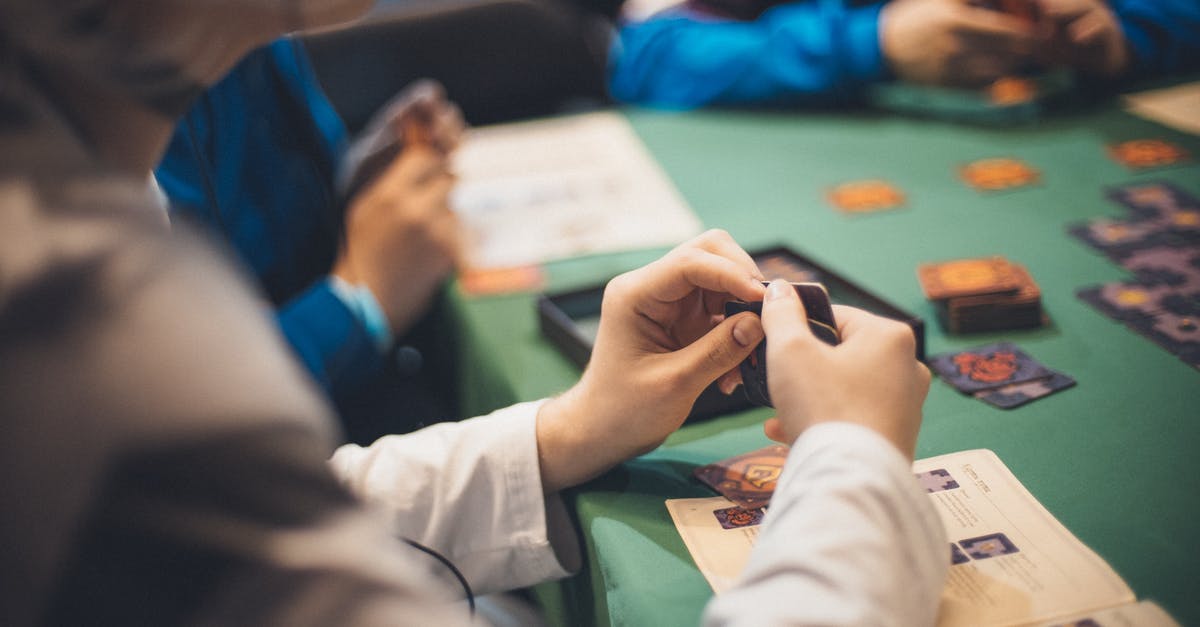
1012 562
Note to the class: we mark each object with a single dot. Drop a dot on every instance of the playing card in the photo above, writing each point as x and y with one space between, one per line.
865 196
1128 300
820 322
1120 238
1018 394
1154 198
1172 266
1001 173
967 277
987 367
1138 154
747 479
737 517
1178 333
995 312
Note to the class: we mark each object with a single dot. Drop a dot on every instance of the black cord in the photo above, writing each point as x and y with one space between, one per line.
448 564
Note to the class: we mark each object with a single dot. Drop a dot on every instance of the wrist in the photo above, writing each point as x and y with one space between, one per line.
570 450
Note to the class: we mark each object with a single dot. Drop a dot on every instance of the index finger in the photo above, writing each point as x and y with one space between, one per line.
679 274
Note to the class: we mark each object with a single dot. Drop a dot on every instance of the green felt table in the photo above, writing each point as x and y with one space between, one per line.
1112 458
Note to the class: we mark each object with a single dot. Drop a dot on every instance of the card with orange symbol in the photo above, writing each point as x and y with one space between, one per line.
968 277
1139 154
998 173
988 367
747 479
865 196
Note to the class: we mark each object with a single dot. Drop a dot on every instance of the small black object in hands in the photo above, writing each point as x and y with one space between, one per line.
820 321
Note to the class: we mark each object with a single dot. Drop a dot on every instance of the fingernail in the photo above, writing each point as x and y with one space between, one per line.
748 331
778 289
727 386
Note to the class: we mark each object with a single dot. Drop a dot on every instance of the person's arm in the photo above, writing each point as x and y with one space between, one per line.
471 490
332 337
851 539
1162 35
796 51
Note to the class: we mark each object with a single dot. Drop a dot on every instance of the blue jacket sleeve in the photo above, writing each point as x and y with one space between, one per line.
1163 35
819 50
330 339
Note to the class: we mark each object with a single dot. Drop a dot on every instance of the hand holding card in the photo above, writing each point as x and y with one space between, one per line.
820 321
871 378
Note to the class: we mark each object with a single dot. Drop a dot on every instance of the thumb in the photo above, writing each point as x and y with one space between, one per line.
783 317
721 349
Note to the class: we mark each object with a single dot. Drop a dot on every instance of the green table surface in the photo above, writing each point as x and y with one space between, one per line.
1112 458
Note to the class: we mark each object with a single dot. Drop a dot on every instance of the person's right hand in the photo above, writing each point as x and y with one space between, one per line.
401 237
948 42
871 378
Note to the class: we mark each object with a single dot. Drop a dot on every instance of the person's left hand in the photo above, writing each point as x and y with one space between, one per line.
1085 35
420 114
662 340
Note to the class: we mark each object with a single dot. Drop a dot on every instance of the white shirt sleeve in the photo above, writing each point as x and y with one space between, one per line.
472 491
850 539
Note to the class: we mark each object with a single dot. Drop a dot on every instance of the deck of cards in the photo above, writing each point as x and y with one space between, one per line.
986 294
999 374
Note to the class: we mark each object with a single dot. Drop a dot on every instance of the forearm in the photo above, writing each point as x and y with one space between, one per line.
331 341
810 50
471 490
850 539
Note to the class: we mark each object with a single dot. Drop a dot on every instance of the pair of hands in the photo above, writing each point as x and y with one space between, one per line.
401 239
663 339
951 42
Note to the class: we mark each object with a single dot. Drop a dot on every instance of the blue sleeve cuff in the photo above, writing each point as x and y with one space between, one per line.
330 339
862 52
362 303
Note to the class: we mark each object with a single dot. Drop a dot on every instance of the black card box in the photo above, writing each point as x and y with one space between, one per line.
570 319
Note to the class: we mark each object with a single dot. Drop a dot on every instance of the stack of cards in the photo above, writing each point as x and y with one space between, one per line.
747 479
987 294
1160 244
999 374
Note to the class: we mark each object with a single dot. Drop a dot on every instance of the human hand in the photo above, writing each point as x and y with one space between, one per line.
662 340
401 237
1084 35
948 42
870 379
418 114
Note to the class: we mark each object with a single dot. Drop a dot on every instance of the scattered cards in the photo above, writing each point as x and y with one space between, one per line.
1138 154
999 374
1000 173
1160 246
748 479
865 196
986 294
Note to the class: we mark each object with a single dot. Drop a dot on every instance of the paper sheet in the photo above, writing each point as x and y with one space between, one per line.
1177 107
1013 562
536 191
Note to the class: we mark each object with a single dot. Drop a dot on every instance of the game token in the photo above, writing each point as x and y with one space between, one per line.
865 196
1010 90
492 281
998 174
1146 153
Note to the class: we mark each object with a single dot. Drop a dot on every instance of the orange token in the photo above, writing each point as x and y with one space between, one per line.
998 173
865 196
1146 153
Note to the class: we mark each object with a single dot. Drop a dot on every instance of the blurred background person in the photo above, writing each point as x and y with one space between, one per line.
740 52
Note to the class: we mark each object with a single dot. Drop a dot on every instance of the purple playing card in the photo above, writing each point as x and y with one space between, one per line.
736 517
987 367
1018 394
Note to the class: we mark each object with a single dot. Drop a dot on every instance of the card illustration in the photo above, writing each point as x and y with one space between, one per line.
957 556
737 517
936 480
991 545
987 367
